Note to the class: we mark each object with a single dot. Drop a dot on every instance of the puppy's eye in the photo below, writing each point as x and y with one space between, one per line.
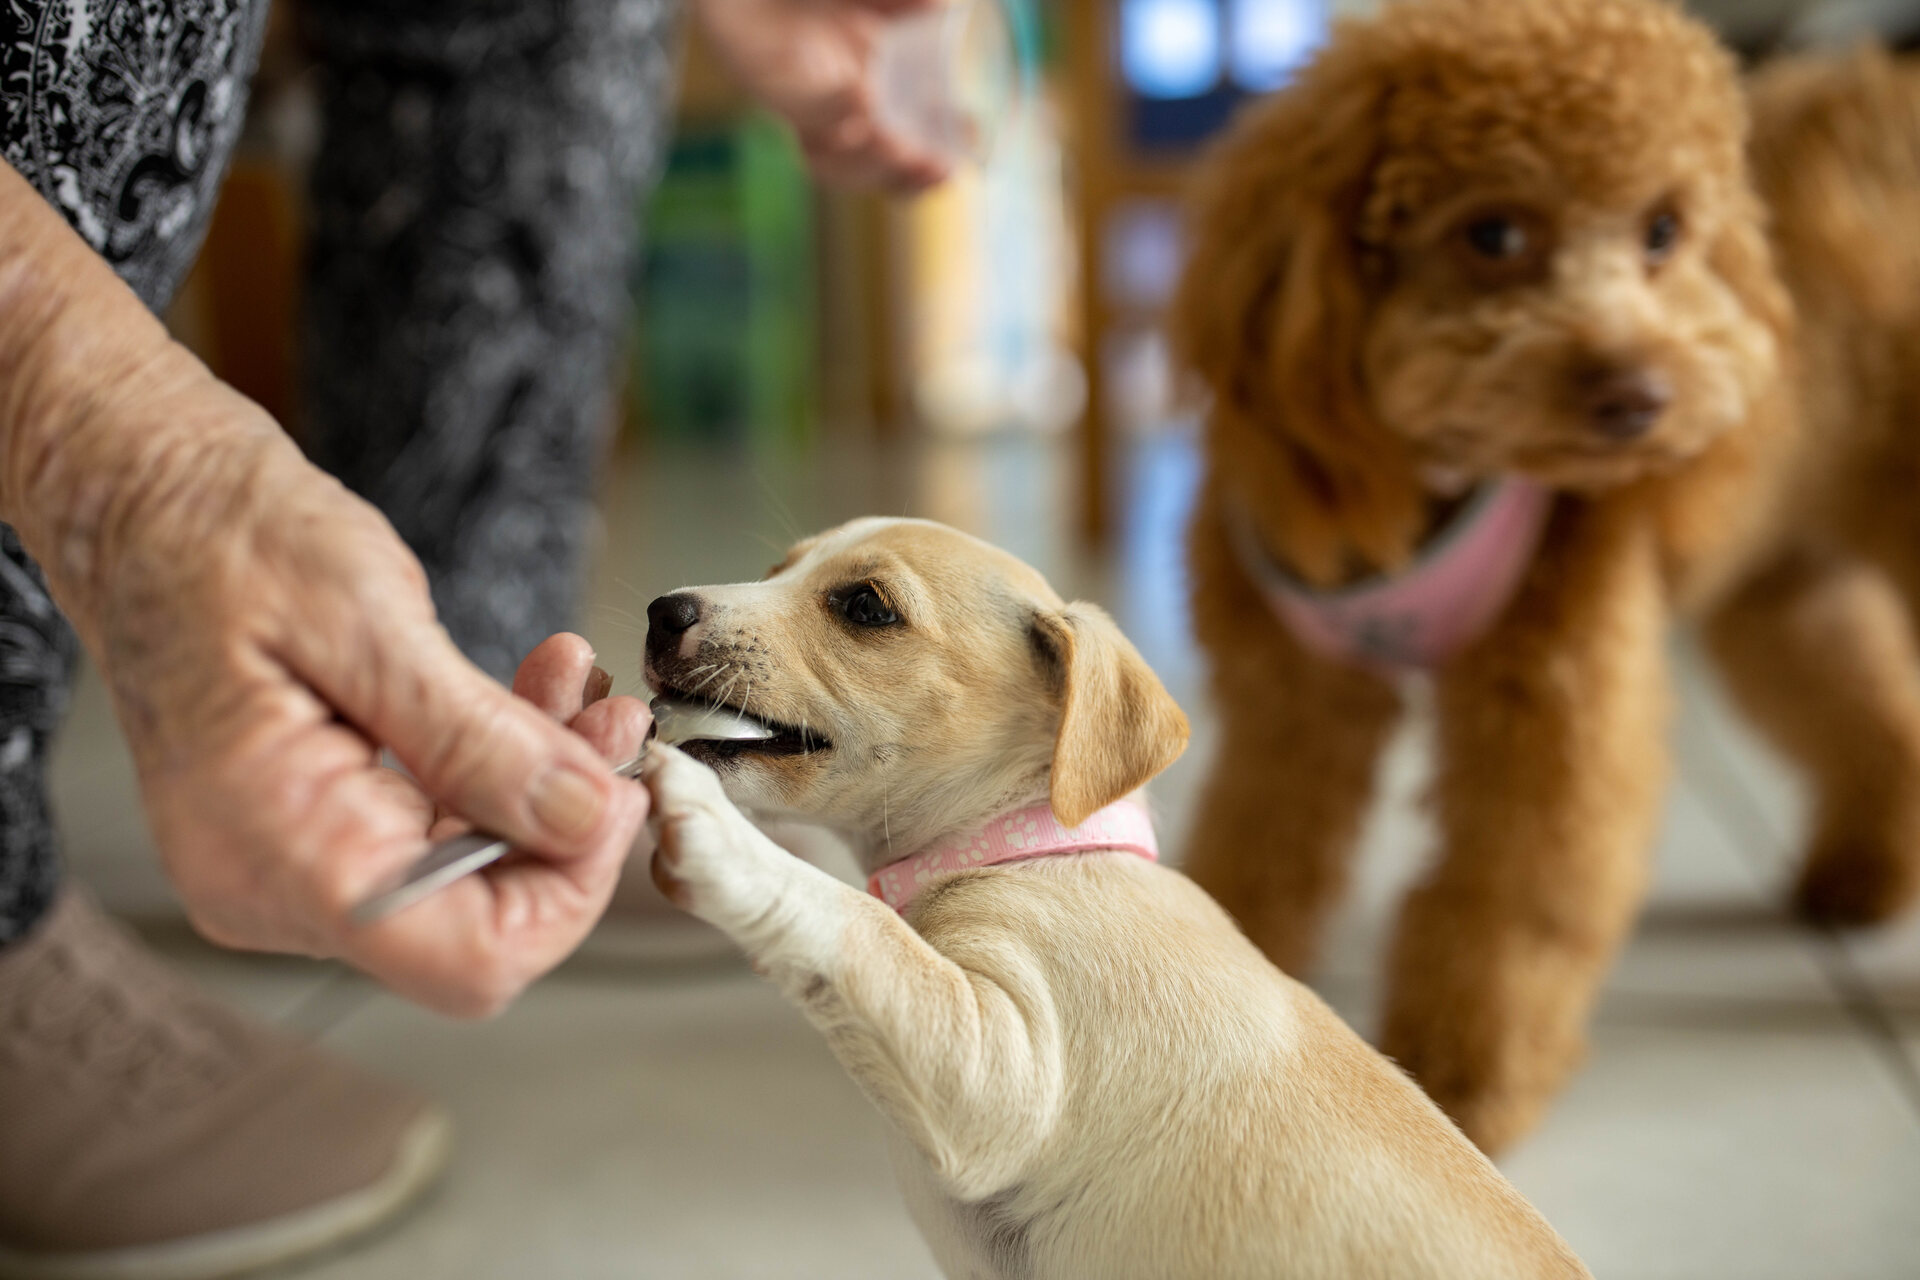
864 606
1497 238
1663 236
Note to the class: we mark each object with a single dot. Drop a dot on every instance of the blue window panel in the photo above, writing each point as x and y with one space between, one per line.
1170 49
1269 40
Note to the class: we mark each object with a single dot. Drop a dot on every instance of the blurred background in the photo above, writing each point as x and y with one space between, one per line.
988 354
1018 298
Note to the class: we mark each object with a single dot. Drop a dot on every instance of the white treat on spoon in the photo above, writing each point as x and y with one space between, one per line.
677 720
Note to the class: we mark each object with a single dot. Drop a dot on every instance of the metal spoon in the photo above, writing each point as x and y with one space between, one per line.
675 720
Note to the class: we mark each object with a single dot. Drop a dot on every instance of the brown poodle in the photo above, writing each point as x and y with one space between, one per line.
1483 241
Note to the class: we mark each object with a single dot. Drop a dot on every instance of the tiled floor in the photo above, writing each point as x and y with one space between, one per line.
1751 1108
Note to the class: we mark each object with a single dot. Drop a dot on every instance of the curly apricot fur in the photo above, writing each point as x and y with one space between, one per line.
1352 353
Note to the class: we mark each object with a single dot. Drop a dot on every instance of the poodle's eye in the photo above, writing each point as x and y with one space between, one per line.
864 606
1663 234
1497 238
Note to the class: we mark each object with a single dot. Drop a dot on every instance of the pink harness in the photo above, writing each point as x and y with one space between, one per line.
1446 599
1033 832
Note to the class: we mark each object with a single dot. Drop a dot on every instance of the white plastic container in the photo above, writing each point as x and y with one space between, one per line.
948 79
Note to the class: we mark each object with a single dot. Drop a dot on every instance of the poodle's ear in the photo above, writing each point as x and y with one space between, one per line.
1271 314
1742 257
1118 724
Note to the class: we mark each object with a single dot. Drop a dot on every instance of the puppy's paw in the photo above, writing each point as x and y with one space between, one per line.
708 859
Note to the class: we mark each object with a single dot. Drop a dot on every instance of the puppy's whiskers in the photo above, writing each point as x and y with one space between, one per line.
713 670
615 614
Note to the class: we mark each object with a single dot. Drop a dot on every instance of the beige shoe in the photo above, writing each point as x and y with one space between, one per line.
146 1131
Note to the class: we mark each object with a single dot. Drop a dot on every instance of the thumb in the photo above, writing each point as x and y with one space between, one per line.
494 759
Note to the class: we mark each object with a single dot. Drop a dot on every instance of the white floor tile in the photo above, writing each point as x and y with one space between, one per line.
619 1128
1716 1147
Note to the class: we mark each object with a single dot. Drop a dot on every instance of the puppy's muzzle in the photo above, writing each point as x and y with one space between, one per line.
669 618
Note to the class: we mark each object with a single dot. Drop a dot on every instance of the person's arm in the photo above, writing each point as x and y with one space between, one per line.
264 634
810 62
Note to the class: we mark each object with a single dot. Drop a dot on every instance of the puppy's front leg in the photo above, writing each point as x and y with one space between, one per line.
966 1061
1552 763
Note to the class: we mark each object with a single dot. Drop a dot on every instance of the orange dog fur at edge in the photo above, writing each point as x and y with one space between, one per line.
1444 252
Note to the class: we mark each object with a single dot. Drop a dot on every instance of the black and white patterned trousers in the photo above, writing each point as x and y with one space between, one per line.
474 208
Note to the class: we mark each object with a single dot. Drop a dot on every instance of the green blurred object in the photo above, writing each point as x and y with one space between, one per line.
726 290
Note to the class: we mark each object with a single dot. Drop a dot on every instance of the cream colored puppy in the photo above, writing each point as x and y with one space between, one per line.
1088 1071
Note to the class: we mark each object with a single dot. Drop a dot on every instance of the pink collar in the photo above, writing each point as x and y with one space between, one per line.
1033 832
1446 599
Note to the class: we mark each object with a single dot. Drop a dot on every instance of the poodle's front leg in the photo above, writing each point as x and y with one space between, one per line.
964 1061
1293 774
1552 765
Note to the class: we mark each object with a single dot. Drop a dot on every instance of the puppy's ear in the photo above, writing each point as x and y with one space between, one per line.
1271 313
1118 724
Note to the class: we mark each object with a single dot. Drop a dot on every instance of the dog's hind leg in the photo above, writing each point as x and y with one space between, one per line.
1820 652
1293 774
1552 762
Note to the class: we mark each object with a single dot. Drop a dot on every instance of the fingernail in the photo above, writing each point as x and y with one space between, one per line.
567 801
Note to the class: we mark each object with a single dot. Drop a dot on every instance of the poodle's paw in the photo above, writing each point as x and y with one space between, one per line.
1496 1090
1494 1119
1854 881
708 859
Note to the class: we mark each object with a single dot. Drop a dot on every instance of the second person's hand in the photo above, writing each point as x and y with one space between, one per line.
811 62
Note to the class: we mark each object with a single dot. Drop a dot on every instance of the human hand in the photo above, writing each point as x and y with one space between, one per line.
265 634
262 659
810 61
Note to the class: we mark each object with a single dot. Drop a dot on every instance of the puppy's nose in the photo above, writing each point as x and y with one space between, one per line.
669 618
1625 404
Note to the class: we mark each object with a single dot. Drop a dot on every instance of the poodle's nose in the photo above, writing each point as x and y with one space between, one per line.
1625 404
669 618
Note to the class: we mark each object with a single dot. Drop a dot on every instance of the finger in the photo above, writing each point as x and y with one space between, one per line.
906 165
616 727
893 8
494 759
860 152
554 676
616 732
869 171
471 948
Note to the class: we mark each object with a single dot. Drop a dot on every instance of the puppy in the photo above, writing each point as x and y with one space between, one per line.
1502 380
1086 1068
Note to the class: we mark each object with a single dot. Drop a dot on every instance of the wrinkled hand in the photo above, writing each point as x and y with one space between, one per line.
265 634
809 61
